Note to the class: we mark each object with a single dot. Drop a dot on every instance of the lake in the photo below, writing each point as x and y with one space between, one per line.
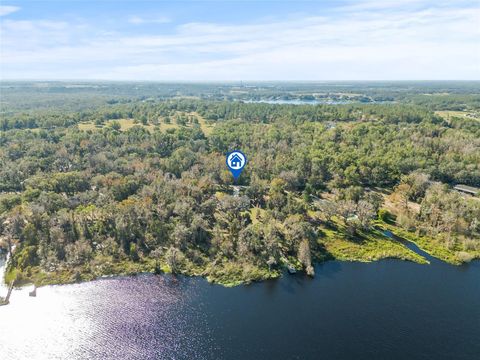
383 310
300 101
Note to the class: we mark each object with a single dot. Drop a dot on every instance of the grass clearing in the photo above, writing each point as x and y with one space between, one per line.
367 247
126 124
454 255
204 125
364 246
85 126
256 214
449 114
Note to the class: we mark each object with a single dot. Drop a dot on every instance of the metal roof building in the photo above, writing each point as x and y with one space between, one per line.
467 189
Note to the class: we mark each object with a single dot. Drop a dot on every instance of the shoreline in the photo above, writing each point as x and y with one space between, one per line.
274 275
235 273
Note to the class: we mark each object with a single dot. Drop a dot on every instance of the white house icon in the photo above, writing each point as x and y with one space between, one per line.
236 161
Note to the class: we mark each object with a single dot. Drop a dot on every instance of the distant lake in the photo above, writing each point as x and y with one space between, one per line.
383 310
301 102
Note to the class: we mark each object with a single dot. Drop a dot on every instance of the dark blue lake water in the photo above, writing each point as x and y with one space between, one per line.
384 310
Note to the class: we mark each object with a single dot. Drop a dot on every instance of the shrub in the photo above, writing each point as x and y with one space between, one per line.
385 215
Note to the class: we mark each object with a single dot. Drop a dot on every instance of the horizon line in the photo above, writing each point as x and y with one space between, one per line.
239 81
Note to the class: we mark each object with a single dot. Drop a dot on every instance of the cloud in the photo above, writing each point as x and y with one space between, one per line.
138 20
426 43
8 9
396 5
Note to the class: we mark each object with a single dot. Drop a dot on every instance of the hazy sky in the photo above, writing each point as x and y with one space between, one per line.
240 40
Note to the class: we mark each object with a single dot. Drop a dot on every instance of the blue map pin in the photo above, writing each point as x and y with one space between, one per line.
236 161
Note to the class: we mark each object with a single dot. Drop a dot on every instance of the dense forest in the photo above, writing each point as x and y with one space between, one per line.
127 178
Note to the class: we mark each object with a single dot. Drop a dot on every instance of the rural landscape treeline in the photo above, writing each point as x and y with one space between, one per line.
95 184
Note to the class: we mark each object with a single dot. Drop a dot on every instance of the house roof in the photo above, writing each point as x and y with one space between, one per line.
466 188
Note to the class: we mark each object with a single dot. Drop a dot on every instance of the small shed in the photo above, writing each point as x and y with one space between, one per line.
467 189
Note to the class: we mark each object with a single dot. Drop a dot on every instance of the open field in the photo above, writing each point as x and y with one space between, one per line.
447 115
126 124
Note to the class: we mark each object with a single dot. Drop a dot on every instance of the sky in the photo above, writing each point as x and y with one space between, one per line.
240 40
